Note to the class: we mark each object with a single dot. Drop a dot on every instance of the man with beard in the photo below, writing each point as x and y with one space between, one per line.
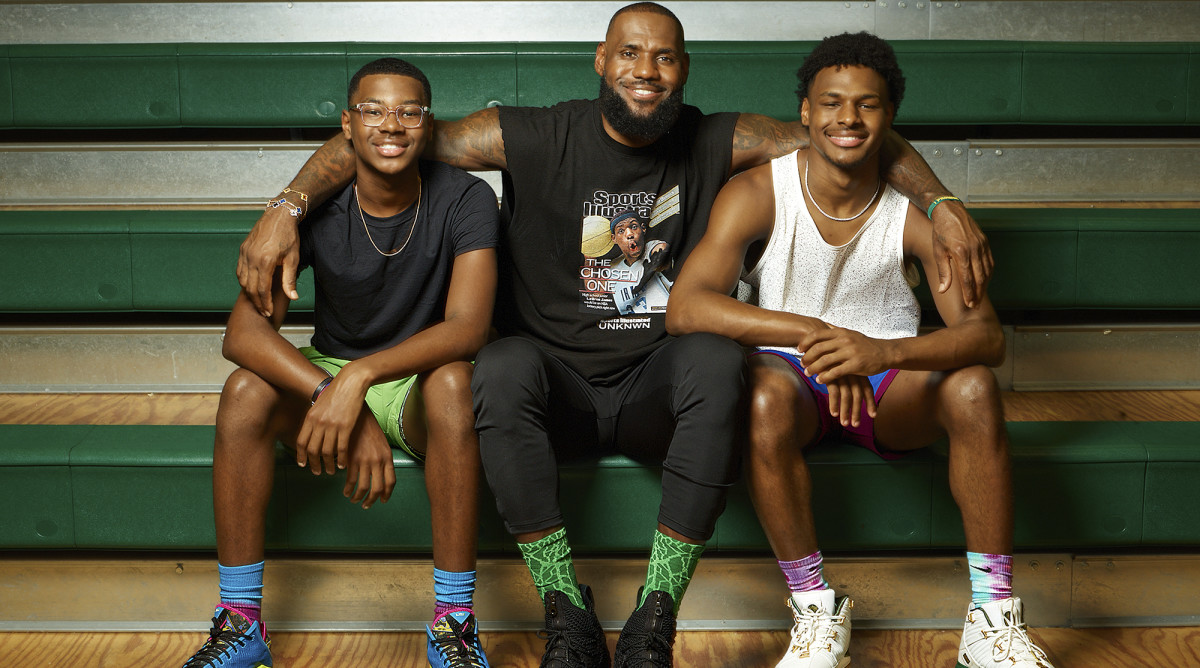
575 378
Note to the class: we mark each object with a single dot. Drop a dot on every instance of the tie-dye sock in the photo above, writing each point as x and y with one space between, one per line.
991 577
805 574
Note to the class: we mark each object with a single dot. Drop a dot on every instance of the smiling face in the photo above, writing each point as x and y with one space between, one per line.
848 114
391 148
629 236
642 67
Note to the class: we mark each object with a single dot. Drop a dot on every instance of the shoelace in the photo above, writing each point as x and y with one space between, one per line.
220 641
456 651
656 648
1013 642
569 642
808 622
455 645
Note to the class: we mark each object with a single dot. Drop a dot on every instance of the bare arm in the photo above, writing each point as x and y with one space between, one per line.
253 342
957 240
758 139
744 212
460 335
273 242
971 336
474 142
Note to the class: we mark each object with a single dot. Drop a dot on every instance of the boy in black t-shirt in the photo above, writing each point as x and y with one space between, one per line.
405 266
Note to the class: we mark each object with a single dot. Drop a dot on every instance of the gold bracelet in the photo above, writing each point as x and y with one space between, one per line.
303 197
279 201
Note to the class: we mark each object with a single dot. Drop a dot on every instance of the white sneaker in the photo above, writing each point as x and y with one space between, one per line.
994 636
821 634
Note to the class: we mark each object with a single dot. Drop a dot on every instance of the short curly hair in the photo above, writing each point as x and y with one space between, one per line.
860 48
389 66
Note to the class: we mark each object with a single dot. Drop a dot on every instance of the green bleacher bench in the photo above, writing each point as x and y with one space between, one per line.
182 261
304 85
1077 485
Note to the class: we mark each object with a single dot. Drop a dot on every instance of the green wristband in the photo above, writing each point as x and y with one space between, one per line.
939 200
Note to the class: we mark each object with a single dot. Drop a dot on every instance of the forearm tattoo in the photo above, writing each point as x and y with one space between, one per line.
473 142
768 136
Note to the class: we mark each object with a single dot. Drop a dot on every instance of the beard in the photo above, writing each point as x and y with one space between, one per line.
648 127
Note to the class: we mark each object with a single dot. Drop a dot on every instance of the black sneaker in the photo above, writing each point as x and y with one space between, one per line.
573 635
649 634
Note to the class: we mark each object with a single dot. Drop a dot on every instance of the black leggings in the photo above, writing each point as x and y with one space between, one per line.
679 407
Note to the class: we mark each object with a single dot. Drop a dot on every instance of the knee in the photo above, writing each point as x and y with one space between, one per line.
247 402
246 389
446 392
971 393
773 407
449 383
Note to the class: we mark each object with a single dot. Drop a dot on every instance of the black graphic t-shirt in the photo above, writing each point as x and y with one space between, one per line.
366 302
593 232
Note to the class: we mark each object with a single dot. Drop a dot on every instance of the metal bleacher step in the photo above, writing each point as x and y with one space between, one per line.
188 358
244 174
164 592
548 20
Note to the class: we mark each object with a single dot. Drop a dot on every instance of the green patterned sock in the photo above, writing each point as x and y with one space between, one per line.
549 561
672 563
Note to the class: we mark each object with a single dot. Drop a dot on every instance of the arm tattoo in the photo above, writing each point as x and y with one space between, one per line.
327 171
907 172
758 139
474 142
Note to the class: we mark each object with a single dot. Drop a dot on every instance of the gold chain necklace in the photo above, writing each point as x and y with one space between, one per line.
410 229
878 185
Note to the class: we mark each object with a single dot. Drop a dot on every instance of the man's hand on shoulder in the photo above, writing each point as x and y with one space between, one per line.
958 241
273 242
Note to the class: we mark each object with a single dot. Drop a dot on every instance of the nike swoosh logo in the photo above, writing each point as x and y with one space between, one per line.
985 569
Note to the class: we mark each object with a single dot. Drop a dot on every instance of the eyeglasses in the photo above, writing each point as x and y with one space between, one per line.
409 115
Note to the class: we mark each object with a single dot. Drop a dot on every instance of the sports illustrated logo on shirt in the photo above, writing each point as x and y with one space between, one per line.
622 264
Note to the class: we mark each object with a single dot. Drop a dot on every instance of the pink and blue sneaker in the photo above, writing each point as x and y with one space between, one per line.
233 642
454 641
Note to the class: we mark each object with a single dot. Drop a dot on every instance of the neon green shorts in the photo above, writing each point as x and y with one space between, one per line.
386 400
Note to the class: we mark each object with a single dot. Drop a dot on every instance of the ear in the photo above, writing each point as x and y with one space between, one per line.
601 57
347 118
685 63
804 112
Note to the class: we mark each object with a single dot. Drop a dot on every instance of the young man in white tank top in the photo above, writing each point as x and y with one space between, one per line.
830 251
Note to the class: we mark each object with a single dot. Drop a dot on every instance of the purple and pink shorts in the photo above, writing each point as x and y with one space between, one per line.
864 434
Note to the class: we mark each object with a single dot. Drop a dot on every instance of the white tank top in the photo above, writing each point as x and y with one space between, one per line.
861 285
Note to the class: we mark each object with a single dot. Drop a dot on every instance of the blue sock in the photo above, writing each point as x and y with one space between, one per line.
241 590
242 585
452 590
